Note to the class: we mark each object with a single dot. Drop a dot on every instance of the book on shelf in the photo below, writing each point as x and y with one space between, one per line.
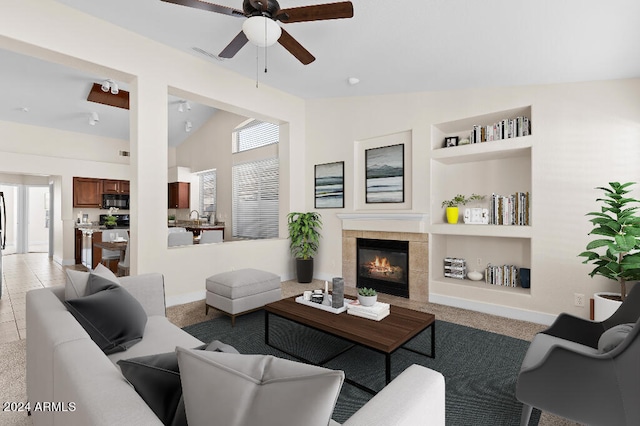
509 210
503 275
503 129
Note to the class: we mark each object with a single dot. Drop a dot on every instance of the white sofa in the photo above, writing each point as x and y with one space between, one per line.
65 366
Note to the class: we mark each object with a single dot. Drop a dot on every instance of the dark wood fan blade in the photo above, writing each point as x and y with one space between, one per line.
317 12
236 44
295 48
208 6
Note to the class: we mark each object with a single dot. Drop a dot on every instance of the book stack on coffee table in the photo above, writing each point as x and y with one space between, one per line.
375 312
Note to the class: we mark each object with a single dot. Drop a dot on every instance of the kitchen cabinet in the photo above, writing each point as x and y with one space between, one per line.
87 192
110 186
179 195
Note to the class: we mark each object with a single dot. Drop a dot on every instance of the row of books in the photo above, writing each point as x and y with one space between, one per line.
376 312
510 209
505 275
504 129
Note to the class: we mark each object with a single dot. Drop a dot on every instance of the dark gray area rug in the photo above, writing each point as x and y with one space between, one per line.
480 368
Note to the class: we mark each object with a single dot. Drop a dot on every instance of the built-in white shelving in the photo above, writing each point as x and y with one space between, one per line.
499 166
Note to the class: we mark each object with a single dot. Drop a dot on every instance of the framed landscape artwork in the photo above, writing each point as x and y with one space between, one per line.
384 174
329 185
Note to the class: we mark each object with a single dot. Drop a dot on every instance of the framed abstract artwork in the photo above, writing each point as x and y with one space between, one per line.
384 174
329 185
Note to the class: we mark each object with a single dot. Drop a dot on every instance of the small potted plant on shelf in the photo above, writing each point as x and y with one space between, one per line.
172 219
304 233
453 211
367 296
618 229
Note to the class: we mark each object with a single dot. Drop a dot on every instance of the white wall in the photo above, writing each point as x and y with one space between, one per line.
151 69
586 135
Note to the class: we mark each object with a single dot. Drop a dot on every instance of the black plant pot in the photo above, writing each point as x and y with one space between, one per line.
304 270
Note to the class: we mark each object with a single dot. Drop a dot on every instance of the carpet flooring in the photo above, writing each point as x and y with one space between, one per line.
480 367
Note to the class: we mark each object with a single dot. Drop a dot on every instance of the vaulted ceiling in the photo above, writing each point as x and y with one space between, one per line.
391 47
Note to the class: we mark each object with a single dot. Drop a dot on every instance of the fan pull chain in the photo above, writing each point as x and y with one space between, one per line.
265 46
257 66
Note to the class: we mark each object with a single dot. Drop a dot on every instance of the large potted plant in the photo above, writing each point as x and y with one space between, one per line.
305 236
616 251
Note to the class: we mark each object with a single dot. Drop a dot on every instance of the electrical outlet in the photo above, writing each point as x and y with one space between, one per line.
479 262
578 299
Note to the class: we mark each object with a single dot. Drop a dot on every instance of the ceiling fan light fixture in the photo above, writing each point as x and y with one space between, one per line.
261 31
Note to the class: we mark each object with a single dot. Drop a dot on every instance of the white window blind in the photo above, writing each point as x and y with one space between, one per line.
254 135
208 192
255 199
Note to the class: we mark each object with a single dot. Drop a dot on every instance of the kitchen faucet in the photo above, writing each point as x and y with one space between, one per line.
197 213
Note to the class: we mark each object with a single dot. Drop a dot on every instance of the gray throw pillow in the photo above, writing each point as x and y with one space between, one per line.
156 378
233 389
112 317
77 281
610 339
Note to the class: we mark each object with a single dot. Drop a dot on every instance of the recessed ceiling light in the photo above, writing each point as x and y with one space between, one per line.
353 81
25 109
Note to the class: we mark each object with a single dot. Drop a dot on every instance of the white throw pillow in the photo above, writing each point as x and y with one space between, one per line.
236 390
76 285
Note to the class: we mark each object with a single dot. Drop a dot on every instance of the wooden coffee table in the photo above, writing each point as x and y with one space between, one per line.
385 336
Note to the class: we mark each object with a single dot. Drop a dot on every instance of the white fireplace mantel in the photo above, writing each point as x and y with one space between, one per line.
395 222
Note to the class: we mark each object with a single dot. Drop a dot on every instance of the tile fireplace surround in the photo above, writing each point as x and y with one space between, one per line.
418 247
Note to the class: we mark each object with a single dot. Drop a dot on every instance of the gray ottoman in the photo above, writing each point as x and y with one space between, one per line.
242 291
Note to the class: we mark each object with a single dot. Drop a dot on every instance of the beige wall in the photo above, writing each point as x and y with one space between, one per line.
152 70
586 135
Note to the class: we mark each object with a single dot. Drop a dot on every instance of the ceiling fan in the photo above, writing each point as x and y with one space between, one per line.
267 13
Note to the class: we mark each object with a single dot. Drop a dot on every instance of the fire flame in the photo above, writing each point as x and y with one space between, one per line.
381 264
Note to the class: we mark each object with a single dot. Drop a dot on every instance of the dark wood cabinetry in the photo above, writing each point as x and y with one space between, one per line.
110 186
179 195
87 192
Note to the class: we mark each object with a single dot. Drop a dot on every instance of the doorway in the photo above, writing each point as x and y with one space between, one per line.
28 210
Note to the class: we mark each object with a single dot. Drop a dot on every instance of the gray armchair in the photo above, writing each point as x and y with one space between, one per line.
586 371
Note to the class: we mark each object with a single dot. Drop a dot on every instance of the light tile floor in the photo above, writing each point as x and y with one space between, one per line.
21 273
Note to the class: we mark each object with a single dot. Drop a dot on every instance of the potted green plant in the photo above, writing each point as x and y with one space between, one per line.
616 251
452 209
305 236
367 296
172 218
110 220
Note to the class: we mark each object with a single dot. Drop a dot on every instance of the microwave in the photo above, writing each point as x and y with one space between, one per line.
119 201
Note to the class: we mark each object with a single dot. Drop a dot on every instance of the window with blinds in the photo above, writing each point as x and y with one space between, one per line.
255 134
255 199
208 192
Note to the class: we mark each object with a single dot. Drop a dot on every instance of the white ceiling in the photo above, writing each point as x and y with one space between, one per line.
392 47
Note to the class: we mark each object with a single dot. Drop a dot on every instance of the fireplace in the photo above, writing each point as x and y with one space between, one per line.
383 265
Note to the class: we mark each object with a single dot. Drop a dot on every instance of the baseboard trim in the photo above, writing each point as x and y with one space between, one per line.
498 310
181 299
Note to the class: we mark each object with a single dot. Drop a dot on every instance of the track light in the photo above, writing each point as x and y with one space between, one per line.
93 118
110 85
188 126
184 105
